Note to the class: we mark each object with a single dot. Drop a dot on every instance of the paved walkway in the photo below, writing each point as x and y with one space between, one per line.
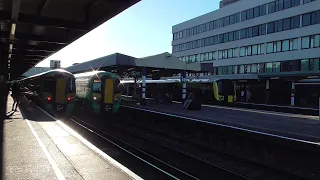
38 147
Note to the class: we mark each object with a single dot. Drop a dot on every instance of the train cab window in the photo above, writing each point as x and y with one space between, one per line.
96 86
70 85
119 87
49 85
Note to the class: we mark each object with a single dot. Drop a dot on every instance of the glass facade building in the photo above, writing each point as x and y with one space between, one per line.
252 37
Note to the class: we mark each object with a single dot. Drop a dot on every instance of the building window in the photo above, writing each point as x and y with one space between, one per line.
255 31
243 15
289 66
295 22
225 54
262 29
269 68
270 47
306 19
262 49
287 4
231 36
232 20
243 33
307 1
305 65
294 44
254 49
254 68
249 52
317 41
241 69
271 7
279 46
279 26
263 10
236 35
220 54
261 67
285 45
242 51
286 24
249 32
230 53
210 56
197 57
235 52
250 14
256 12
314 64
270 28
230 70
305 42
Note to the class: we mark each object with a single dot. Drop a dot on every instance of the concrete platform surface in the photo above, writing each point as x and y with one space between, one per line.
38 147
301 127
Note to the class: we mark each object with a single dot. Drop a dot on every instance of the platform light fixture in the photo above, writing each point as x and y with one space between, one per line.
13 28
312 77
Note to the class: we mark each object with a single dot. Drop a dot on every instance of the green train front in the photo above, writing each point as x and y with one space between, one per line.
55 89
98 91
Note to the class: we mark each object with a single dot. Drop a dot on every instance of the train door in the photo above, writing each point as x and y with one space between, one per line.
107 94
60 95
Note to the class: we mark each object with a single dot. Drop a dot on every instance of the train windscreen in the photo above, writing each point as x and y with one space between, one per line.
49 85
70 85
96 88
118 85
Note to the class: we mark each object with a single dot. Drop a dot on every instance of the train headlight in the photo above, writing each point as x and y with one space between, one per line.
96 98
49 98
117 98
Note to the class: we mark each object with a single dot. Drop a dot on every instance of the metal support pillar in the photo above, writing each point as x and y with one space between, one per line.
267 91
293 88
143 87
184 85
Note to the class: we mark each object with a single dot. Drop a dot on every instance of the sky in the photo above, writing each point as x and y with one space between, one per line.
143 29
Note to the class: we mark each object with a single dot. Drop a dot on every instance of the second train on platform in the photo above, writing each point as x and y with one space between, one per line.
213 91
98 91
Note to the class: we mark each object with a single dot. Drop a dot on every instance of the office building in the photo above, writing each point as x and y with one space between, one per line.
254 39
251 36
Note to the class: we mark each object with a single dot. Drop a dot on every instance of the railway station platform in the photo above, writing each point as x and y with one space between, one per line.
37 146
296 126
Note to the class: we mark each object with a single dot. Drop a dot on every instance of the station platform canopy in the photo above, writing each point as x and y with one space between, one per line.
32 30
160 65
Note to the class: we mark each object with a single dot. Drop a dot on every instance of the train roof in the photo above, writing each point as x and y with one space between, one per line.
49 72
92 73
175 80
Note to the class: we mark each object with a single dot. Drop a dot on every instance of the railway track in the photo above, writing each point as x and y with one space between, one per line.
172 162
250 170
